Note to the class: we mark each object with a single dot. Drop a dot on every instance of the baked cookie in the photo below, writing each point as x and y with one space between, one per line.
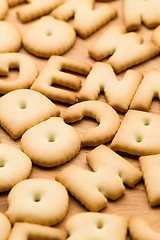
13 3
25 108
52 74
155 36
139 229
27 71
148 89
36 8
5 227
3 9
15 166
10 40
141 11
48 36
96 226
127 49
51 143
104 114
107 181
86 19
138 134
150 168
41 201
118 93
30 231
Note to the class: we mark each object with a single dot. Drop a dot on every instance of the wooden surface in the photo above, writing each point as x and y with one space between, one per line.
134 202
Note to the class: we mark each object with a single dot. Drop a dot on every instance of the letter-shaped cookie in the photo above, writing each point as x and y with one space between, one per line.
156 36
104 114
3 9
138 11
110 172
51 142
148 89
22 109
10 40
5 227
53 74
26 231
54 37
138 134
27 71
118 93
13 3
86 20
127 49
139 229
41 201
150 166
15 166
36 8
96 226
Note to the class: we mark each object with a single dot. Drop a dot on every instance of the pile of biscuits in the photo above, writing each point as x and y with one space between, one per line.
61 67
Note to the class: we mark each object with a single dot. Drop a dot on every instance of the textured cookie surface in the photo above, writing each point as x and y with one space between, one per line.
127 49
30 231
40 201
138 11
138 134
104 114
25 108
5 227
51 142
36 8
48 36
139 229
96 226
118 93
150 166
86 19
10 40
27 71
3 9
148 89
53 74
110 172
15 166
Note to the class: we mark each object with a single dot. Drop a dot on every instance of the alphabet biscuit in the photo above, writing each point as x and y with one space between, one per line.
53 74
118 93
48 36
25 108
110 172
41 201
27 69
51 142
96 226
138 134
141 11
36 8
127 49
86 20
30 230
104 114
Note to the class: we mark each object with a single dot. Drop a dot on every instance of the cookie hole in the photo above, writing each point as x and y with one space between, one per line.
51 138
23 105
2 163
49 33
100 225
146 122
37 198
139 139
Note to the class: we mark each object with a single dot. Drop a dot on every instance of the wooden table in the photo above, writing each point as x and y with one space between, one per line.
134 202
